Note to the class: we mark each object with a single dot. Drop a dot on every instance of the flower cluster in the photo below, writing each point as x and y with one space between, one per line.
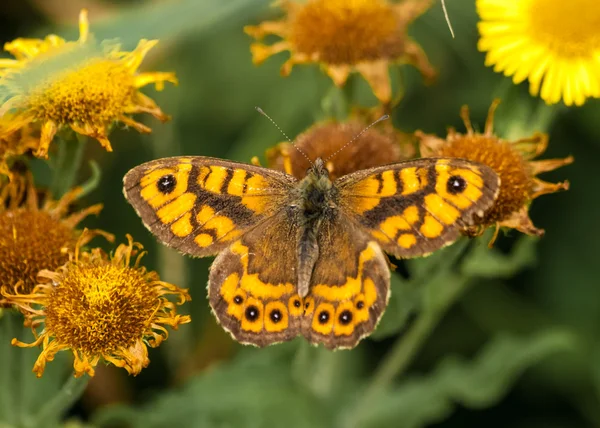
98 306
53 84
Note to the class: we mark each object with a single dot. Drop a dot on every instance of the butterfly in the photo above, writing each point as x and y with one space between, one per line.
306 256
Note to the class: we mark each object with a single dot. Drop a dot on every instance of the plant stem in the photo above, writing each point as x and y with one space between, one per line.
61 402
67 165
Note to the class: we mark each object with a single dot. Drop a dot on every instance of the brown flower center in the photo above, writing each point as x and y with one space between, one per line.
29 242
516 183
100 308
347 31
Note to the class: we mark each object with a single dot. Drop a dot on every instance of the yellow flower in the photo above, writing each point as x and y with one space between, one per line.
345 36
33 235
511 160
333 143
15 141
553 43
99 307
79 84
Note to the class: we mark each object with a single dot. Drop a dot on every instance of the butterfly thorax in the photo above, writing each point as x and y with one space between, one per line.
317 202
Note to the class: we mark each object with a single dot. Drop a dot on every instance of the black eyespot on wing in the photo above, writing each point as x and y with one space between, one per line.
166 184
323 317
456 184
360 304
345 317
252 313
297 303
238 300
275 316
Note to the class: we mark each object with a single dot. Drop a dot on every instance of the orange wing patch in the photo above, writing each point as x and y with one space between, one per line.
253 189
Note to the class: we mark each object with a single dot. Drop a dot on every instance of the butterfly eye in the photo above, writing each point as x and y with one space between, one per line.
166 184
456 184
323 317
252 313
345 317
275 316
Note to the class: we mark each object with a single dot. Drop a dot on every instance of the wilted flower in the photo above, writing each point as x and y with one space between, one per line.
33 235
99 306
553 43
15 141
333 143
79 84
511 160
343 36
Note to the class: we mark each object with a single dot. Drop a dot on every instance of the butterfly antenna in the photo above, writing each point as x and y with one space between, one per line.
357 136
447 18
261 111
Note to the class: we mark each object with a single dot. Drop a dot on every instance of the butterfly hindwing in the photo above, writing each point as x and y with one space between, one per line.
349 288
252 284
199 205
414 208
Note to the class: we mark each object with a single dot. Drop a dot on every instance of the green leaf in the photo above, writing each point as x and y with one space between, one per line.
487 263
474 384
22 394
257 389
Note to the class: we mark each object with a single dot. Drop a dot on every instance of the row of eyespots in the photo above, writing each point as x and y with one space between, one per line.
254 316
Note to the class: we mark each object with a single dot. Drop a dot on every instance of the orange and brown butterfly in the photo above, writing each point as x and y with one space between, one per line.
306 257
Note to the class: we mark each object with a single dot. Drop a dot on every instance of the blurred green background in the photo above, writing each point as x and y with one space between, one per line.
519 344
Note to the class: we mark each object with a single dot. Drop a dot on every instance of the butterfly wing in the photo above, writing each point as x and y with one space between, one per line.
199 205
414 208
349 287
252 284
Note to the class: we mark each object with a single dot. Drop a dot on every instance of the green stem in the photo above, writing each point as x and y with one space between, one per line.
8 327
407 346
67 164
61 402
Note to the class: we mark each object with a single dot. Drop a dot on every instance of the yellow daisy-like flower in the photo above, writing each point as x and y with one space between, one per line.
553 43
345 36
100 306
15 141
36 235
77 84
511 160
332 142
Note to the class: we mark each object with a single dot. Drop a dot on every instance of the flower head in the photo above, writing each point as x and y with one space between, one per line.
511 160
99 306
345 36
553 43
80 85
333 142
33 235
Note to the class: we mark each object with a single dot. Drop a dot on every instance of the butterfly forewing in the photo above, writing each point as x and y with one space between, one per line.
414 208
199 205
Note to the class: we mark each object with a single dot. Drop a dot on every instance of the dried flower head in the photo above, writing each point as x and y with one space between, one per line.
33 235
555 44
511 160
333 143
81 85
344 36
15 141
99 306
